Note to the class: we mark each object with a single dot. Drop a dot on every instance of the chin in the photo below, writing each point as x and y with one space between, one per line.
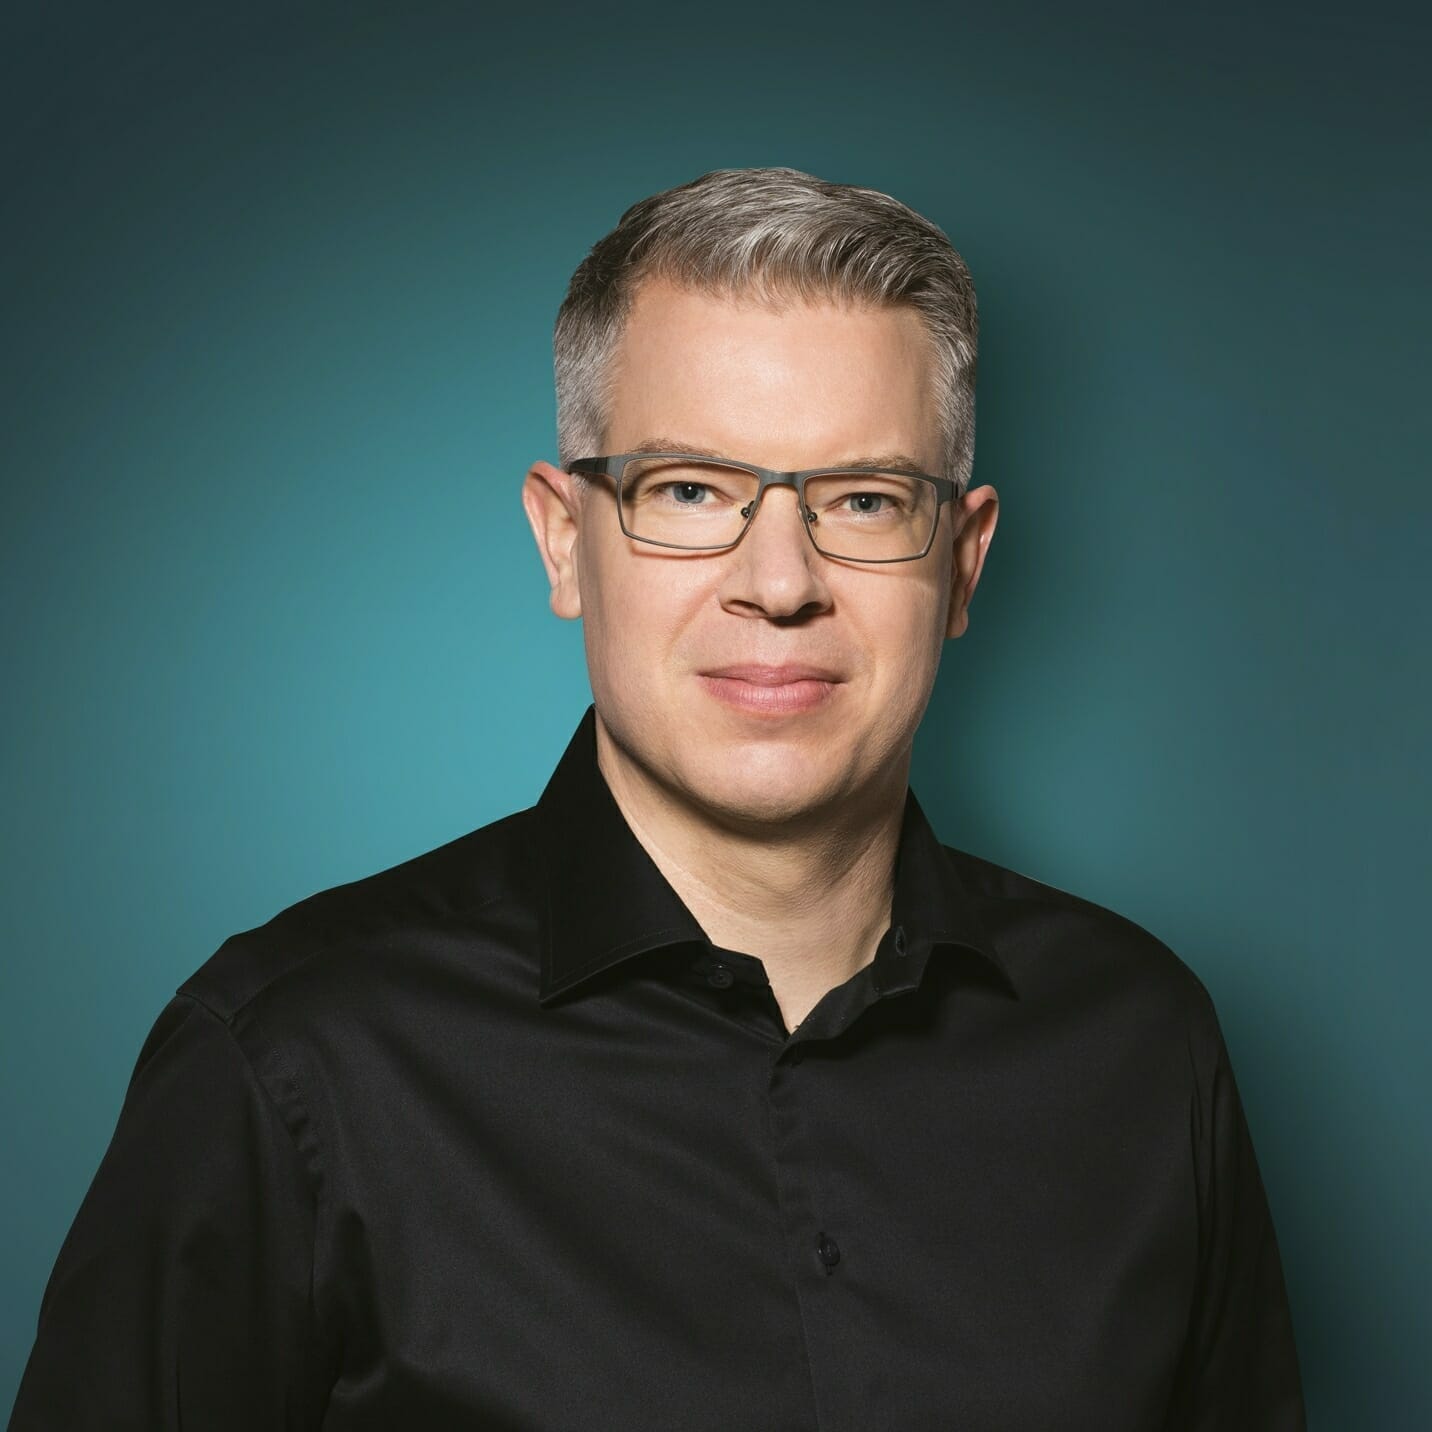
767 791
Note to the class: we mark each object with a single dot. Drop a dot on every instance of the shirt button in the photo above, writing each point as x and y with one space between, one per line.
829 1252
720 977
899 939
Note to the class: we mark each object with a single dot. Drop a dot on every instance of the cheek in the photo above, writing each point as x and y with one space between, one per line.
638 614
904 634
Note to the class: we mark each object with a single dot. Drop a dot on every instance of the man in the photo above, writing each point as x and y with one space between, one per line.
713 1091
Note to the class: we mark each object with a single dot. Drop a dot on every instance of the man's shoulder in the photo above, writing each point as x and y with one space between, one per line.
338 930
1051 938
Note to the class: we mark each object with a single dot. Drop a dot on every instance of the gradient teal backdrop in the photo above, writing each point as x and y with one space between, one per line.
278 289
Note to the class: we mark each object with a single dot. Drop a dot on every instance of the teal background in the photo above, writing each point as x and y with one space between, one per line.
277 297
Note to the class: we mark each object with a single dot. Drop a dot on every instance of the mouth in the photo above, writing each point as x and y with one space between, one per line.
772 690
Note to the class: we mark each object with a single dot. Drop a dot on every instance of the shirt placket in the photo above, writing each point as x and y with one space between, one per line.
817 1242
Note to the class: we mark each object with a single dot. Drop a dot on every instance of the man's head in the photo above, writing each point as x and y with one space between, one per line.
765 316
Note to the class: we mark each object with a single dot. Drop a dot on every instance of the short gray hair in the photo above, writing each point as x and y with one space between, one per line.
768 233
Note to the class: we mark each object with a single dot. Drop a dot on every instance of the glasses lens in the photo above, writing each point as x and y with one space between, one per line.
871 516
685 502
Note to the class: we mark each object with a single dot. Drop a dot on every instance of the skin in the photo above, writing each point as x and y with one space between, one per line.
779 834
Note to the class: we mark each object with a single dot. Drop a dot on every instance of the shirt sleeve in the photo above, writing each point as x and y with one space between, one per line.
1240 1367
181 1296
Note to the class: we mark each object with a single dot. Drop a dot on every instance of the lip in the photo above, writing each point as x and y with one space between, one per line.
771 690
761 675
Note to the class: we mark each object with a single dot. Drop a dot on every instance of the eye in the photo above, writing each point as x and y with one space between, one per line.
867 497
683 491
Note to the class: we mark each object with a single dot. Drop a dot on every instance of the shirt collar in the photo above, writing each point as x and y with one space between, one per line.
607 901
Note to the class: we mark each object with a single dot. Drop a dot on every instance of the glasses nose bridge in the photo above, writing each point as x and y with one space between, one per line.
766 478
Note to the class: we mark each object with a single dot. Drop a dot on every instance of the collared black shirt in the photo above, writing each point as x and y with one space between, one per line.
497 1139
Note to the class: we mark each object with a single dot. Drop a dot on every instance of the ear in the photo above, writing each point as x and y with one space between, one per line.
554 507
977 512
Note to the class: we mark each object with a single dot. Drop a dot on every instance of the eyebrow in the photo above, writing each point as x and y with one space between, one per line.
880 460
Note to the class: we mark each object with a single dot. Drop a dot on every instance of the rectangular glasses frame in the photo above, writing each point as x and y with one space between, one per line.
614 464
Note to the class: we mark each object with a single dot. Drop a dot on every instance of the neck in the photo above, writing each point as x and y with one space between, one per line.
810 899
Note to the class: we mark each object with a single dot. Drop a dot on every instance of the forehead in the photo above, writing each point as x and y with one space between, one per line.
790 383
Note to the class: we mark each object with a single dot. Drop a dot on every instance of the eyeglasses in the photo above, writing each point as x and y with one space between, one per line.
703 504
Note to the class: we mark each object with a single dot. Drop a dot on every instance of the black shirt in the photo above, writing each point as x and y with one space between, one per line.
497 1139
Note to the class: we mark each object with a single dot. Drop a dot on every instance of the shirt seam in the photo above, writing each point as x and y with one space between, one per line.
311 1175
186 990
310 1163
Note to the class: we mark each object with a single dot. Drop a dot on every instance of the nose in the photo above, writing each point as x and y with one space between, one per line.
774 570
